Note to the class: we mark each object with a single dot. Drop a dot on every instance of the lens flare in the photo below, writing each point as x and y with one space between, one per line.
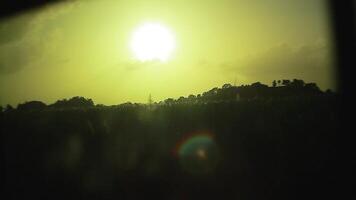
197 153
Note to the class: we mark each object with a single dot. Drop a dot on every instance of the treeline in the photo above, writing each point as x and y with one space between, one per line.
279 89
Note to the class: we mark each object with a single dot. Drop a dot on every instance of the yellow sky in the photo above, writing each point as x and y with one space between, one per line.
81 48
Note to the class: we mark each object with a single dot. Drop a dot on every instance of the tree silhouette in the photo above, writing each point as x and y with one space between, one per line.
169 101
31 105
227 85
312 86
79 102
285 82
8 108
297 83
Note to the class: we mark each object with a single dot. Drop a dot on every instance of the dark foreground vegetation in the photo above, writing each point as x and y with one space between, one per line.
266 143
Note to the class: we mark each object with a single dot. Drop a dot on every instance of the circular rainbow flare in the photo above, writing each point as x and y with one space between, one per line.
197 153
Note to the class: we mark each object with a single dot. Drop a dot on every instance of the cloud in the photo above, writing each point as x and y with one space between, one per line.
312 62
14 29
15 55
26 38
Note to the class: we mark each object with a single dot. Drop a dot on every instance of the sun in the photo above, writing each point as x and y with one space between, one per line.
152 41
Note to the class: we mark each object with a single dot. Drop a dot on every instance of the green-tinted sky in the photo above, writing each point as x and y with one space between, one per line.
81 48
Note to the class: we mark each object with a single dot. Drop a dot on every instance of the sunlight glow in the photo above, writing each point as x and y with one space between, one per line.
152 41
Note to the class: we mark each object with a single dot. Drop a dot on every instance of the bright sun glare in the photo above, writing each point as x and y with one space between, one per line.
152 41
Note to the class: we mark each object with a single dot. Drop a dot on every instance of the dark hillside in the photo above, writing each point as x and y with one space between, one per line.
269 144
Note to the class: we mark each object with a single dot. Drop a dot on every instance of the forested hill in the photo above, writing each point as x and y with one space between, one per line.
246 142
256 91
